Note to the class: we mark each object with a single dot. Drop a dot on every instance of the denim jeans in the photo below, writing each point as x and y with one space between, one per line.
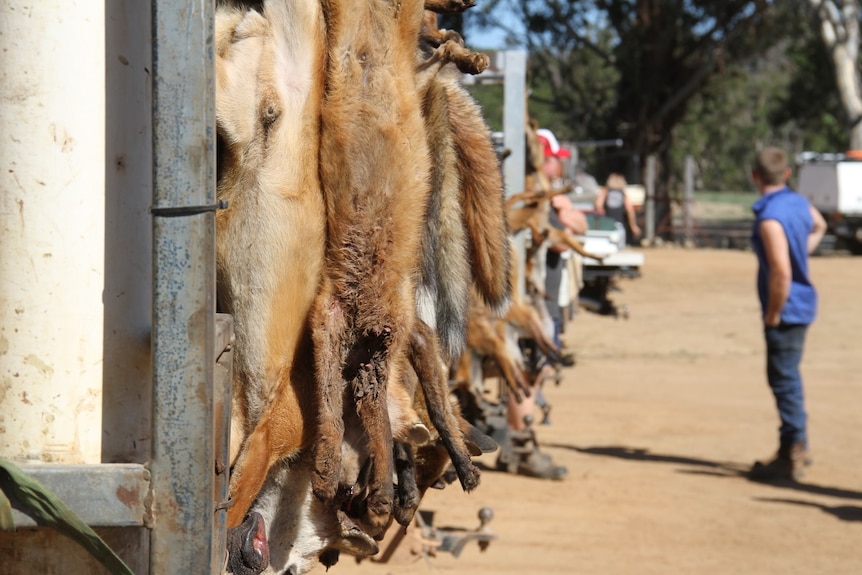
784 345
558 329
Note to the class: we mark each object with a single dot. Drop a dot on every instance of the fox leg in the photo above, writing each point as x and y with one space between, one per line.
424 355
278 434
449 6
372 363
328 329
407 497
452 49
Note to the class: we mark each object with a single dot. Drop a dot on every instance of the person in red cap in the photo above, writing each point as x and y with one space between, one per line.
565 212
563 216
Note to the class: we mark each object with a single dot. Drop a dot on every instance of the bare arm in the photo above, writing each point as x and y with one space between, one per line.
599 203
569 216
630 213
817 231
777 253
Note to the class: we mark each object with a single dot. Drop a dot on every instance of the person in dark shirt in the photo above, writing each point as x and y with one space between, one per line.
613 202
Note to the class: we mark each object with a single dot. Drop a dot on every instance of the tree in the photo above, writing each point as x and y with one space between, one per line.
839 29
664 52
810 107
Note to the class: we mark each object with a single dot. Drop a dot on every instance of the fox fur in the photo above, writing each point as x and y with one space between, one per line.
268 90
325 135
277 407
448 6
302 530
524 316
374 169
482 198
465 236
446 272
487 337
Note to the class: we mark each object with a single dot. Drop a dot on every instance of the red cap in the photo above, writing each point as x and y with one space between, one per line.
550 144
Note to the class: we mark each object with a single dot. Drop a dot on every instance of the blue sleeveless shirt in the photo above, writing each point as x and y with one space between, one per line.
792 211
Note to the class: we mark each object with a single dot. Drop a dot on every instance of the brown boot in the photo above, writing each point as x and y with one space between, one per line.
785 466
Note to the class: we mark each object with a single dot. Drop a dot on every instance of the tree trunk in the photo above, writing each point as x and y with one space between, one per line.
839 28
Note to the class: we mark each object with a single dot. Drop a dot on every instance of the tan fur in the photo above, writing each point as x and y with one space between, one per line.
427 362
486 336
535 150
533 215
374 169
268 90
446 271
449 47
357 211
465 169
525 317
482 186
477 164
449 6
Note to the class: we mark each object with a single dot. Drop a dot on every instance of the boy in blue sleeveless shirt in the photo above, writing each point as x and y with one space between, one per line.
786 229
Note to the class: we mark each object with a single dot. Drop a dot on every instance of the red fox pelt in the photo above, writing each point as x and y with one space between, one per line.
362 221
466 186
275 226
465 240
268 92
374 171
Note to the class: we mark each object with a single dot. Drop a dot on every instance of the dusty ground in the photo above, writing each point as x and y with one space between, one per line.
655 424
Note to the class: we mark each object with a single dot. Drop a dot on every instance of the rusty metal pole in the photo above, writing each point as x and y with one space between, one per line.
187 529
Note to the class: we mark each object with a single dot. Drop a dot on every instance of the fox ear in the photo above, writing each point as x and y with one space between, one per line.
356 542
478 442
418 435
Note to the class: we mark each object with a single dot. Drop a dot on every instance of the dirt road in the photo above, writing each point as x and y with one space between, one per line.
656 423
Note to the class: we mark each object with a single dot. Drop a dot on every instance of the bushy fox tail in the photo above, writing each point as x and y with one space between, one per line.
482 197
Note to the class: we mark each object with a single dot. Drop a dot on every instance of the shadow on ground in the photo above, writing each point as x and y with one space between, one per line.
843 512
725 469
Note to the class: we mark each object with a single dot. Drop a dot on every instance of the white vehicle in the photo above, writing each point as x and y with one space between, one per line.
833 185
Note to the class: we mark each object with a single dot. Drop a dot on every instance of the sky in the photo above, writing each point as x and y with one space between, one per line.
492 39
487 39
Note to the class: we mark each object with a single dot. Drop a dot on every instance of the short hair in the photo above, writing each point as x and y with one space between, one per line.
615 182
770 166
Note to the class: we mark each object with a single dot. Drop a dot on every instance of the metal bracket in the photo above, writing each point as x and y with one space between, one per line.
109 494
181 211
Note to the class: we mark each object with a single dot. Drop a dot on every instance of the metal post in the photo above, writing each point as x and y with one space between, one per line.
514 136
128 166
187 530
649 224
52 203
688 202
515 119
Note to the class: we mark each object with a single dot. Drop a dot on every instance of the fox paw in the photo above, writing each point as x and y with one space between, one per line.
379 511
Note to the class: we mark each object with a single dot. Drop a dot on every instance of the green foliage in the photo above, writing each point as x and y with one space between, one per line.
727 121
574 92
711 78
811 107
785 97
490 98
